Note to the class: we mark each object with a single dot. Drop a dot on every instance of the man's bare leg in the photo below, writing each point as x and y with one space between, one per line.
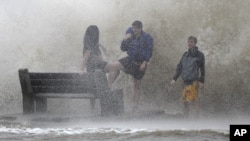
137 93
186 109
114 71
196 108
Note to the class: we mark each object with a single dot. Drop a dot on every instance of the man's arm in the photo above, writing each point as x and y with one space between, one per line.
202 69
149 48
178 72
126 39
125 42
147 52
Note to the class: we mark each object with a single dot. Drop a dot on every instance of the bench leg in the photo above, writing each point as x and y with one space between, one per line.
41 104
28 104
105 106
118 104
112 103
27 93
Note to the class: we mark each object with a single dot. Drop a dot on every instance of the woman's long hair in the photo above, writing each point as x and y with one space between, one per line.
91 38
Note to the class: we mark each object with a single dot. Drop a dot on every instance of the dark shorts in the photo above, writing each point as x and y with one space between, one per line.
131 67
98 65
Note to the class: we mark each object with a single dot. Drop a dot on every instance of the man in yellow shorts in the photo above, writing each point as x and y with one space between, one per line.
192 70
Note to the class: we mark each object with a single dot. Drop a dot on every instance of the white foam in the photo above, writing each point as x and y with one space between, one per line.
70 131
78 131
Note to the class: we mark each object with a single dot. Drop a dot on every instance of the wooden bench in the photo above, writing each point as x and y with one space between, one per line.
37 87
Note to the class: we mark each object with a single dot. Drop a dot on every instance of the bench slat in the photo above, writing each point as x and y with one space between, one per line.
52 95
61 89
59 76
63 82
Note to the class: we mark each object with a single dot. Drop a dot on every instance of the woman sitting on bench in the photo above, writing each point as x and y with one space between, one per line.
92 55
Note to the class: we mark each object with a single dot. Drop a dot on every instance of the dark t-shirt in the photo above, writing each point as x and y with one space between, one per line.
95 60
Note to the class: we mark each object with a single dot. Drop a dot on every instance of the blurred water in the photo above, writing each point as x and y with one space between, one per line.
110 134
53 127
47 36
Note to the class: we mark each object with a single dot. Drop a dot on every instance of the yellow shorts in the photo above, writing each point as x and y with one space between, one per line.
190 92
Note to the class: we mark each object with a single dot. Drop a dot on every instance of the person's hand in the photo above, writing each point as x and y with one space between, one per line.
143 66
172 82
127 36
81 72
82 68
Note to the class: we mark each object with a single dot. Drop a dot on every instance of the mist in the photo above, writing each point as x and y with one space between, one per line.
47 36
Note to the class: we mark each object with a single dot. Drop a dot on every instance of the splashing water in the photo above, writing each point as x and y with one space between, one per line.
47 36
